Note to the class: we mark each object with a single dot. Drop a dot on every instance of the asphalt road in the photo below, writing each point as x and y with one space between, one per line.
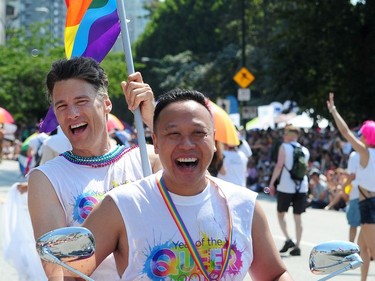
319 226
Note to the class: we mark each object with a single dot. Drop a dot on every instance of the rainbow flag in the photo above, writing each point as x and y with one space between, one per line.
91 29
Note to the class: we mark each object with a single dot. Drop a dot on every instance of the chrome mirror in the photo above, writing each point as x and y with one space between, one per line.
334 257
67 244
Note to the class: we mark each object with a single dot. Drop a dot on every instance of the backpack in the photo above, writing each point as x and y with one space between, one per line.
299 168
38 154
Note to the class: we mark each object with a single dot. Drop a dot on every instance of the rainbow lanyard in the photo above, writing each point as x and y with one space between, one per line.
185 233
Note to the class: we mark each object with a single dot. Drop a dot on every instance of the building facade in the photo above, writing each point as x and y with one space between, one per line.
138 17
22 13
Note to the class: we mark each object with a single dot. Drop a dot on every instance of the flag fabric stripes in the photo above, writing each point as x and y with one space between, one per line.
92 28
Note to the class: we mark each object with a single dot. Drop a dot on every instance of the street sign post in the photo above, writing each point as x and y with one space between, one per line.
243 94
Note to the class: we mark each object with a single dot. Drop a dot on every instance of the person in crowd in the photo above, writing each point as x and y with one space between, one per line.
121 136
289 192
54 145
67 187
252 174
352 212
336 151
235 165
216 166
318 193
34 150
222 222
1 141
336 191
331 179
365 146
30 150
244 146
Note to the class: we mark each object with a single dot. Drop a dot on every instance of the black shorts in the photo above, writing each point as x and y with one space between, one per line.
367 210
297 200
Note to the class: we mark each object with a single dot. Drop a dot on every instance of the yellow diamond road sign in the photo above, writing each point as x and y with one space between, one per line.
243 77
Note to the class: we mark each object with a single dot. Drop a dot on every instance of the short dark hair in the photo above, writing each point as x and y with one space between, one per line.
83 68
178 95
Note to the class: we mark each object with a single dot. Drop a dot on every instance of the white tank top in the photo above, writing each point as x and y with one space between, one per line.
366 176
157 250
79 188
353 165
287 185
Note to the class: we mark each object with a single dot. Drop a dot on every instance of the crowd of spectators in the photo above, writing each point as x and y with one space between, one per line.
329 154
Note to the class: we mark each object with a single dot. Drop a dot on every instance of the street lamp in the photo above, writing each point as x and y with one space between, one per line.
243 33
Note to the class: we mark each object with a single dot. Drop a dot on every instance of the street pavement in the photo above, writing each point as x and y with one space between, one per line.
318 226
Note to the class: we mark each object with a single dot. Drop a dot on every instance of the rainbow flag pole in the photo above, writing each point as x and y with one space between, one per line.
130 67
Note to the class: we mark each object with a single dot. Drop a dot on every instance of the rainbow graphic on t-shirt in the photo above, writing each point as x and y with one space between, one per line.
84 204
172 260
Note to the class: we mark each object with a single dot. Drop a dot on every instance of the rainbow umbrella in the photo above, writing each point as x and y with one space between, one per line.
225 131
5 116
114 123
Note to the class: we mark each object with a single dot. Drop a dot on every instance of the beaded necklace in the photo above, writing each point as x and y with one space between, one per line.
96 161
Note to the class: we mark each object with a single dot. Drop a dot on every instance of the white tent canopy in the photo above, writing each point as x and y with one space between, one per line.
302 121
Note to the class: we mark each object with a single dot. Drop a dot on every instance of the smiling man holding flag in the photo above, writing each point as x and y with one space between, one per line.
64 190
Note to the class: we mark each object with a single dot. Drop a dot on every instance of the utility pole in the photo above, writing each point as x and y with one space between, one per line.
243 33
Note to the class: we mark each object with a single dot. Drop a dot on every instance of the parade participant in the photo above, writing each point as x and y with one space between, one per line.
235 165
63 191
206 228
289 191
365 146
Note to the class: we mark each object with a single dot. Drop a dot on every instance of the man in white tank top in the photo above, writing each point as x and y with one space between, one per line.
289 191
181 223
64 190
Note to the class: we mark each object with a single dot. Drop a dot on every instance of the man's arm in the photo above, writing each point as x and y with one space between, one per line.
357 145
277 170
265 252
46 214
107 225
44 206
